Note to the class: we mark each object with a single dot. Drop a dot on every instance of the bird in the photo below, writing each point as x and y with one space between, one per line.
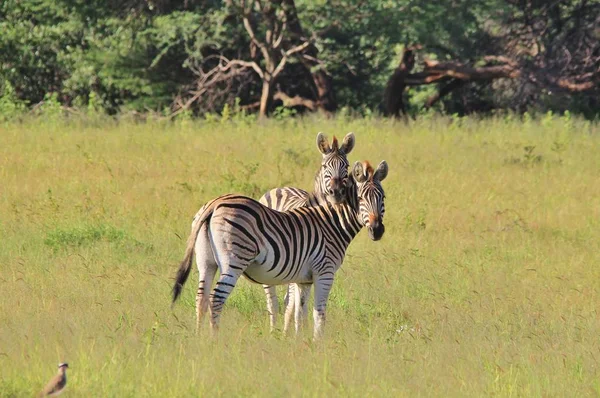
57 384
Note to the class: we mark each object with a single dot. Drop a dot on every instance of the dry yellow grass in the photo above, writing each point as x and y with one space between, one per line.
486 282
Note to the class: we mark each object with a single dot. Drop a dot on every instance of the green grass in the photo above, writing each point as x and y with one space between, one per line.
486 282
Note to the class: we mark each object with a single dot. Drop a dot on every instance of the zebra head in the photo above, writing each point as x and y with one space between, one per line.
370 196
332 179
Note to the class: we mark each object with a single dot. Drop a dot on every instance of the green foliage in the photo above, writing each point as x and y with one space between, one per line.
140 56
282 113
10 105
128 59
51 109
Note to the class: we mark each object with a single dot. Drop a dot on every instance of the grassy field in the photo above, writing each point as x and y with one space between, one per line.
487 281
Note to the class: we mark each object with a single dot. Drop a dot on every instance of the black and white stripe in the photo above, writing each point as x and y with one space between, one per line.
330 184
239 236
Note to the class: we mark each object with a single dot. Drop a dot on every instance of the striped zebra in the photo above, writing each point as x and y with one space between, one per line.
239 236
330 184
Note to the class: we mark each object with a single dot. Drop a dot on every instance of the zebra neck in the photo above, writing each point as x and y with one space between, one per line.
352 196
353 218
345 219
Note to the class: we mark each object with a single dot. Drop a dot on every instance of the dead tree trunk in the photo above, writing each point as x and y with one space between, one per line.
451 75
392 97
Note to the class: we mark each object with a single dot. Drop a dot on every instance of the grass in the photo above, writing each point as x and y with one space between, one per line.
485 283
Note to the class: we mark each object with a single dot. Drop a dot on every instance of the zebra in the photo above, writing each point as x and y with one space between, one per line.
239 236
329 185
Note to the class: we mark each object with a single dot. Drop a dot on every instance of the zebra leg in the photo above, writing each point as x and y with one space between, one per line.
207 274
322 288
304 296
300 308
289 306
207 268
222 290
272 304
286 298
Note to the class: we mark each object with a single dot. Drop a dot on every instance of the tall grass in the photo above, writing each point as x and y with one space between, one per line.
485 283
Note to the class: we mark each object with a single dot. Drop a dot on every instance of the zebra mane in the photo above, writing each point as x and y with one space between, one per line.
318 185
316 199
369 171
352 193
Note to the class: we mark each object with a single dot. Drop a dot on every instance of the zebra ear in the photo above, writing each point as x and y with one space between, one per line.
323 144
359 172
348 143
381 172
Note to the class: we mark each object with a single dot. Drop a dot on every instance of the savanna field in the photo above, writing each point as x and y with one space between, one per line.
486 282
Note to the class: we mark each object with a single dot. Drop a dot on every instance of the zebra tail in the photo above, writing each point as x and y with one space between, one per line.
186 265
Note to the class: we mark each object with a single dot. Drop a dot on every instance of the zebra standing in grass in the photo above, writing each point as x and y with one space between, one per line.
239 236
330 185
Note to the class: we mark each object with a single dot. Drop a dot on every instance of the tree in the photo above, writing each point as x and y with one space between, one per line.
269 51
200 55
546 48
320 48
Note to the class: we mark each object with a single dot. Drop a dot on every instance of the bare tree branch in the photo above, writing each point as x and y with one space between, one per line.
250 31
295 100
287 54
442 91
214 83
279 39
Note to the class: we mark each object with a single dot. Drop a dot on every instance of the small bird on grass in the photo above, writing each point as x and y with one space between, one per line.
57 384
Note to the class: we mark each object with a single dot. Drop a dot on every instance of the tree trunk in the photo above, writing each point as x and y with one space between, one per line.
322 84
326 96
265 98
392 97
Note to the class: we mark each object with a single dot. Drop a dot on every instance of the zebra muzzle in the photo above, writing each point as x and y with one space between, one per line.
337 191
376 230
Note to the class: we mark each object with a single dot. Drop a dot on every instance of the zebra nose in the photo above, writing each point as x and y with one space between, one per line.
334 185
374 221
